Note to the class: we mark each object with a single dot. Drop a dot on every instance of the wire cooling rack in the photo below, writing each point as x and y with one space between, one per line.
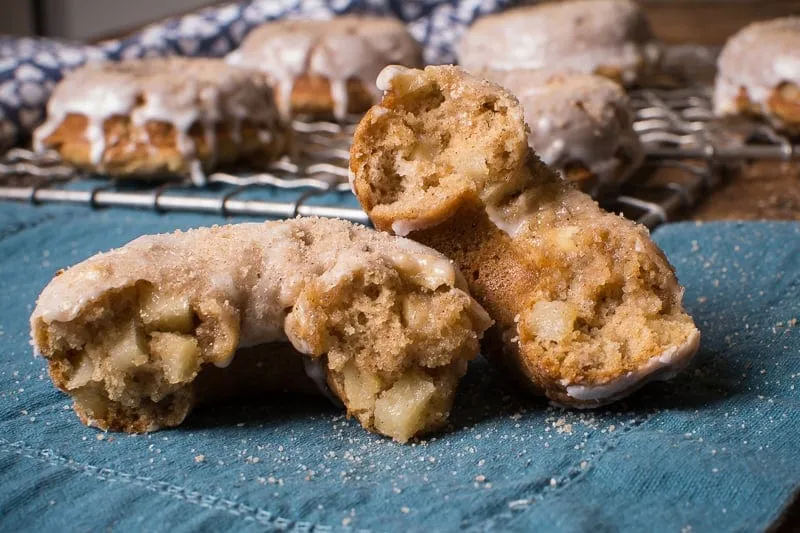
687 148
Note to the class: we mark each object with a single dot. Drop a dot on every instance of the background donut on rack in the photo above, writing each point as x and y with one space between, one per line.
580 124
155 117
607 37
327 67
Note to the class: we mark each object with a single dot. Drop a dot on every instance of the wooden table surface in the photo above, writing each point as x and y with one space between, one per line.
753 191
711 22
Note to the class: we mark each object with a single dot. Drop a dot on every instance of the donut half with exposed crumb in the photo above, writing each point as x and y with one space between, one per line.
386 322
163 117
586 307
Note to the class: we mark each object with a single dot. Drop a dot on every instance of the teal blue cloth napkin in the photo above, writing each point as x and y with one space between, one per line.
717 449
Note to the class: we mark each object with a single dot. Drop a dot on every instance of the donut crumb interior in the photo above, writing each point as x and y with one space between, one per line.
580 295
394 347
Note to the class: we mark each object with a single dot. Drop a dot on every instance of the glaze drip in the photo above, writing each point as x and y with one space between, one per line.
181 92
582 36
339 50
758 59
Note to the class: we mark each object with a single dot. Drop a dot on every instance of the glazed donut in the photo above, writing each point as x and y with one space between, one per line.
164 116
586 307
758 73
607 37
327 67
580 124
385 322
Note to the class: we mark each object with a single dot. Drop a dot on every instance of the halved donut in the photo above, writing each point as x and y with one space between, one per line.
387 322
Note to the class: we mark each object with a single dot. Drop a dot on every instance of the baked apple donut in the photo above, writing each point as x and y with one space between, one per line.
758 73
327 67
580 124
386 322
586 307
162 116
607 37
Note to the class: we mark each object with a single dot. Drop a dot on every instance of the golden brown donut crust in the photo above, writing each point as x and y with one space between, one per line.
782 107
311 95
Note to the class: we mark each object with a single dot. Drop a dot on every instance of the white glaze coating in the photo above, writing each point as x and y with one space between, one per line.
261 269
758 59
509 221
660 368
577 118
525 199
340 49
181 92
579 35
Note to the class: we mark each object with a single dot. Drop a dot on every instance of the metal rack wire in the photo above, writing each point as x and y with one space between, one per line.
687 151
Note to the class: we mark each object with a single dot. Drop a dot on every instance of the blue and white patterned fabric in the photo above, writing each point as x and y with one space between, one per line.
30 68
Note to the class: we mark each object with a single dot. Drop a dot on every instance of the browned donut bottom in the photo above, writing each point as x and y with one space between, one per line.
782 107
254 373
152 150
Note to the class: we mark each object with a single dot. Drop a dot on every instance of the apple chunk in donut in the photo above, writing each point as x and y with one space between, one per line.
587 308
130 333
